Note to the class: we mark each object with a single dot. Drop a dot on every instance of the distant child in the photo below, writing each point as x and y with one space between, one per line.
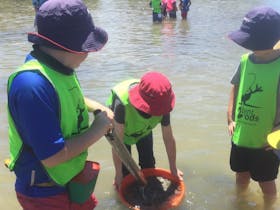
253 110
184 6
37 3
163 8
156 7
169 8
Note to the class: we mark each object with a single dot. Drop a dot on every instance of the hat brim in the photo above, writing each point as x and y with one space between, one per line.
139 103
241 38
95 41
277 45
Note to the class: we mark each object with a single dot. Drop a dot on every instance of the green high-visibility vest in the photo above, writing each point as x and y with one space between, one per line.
136 126
73 119
156 5
256 102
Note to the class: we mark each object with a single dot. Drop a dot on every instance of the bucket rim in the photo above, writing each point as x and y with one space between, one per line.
147 172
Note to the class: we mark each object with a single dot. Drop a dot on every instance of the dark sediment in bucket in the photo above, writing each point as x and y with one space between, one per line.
153 195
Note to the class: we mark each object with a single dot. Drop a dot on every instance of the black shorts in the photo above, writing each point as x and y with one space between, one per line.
260 163
172 14
145 153
157 17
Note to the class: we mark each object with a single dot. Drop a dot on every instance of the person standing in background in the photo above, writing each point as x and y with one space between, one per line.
37 3
254 105
48 115
184 7
157 13
169 8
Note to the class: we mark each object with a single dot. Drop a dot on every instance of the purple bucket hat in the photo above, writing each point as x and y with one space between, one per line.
67 25
260 29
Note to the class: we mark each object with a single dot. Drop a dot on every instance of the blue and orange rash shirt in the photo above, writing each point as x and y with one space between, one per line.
34 105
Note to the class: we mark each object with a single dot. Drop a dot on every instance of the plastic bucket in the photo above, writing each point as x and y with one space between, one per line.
173 201
82 185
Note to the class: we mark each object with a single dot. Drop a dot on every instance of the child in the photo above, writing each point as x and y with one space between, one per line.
49 128
163 8
170 8
184 7
138 108
253 110
37 4
156 7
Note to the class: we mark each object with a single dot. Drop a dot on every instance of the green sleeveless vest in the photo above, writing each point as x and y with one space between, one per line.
256 102
136 127
73 120
156 6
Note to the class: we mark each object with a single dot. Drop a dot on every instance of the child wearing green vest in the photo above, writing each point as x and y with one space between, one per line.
157 10
139 106
48 115
254 105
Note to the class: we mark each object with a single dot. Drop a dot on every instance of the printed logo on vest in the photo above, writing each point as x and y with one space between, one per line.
246 110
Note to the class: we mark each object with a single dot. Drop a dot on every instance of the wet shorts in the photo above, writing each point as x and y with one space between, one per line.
57 202
157 17
184 14
172 14
262 164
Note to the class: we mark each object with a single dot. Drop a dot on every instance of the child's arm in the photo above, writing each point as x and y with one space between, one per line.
94 105
180 5
189 4
231 108
174 6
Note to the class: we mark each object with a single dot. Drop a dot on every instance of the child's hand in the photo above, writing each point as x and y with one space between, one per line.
117 182
102 122
179 174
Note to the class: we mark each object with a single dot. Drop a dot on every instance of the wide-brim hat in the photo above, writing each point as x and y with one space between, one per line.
153 95
260 29
67 25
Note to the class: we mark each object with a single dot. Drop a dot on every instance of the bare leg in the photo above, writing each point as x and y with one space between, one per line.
242 181
270 193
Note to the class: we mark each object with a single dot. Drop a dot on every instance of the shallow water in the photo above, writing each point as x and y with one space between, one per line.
196 56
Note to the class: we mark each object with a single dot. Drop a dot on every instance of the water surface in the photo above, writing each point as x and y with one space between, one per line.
196 56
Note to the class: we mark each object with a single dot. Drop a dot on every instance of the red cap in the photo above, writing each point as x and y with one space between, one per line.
153 95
